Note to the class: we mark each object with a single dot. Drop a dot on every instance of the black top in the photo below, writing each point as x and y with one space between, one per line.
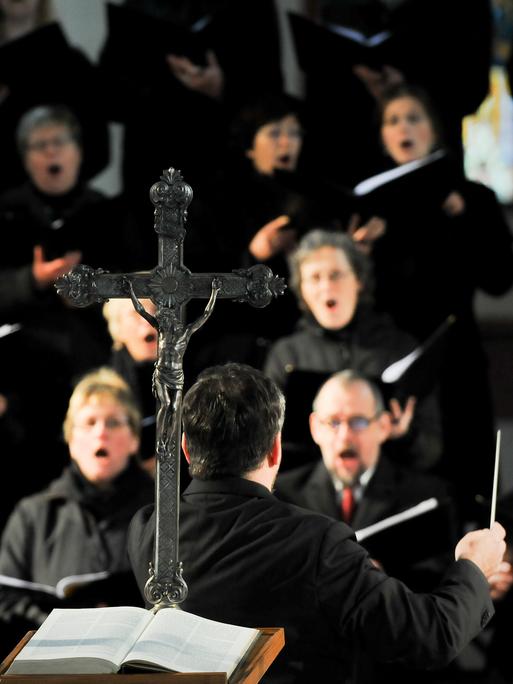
252 560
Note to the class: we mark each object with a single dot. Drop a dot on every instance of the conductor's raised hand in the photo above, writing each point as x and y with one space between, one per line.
208 80
272 239
485 548
45 273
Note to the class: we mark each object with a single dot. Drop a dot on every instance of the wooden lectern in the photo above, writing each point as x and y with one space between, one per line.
249 671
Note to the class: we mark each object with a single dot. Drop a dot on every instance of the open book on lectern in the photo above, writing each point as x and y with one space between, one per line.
109 640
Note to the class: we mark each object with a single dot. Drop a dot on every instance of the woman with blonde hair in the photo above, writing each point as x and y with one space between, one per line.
78 524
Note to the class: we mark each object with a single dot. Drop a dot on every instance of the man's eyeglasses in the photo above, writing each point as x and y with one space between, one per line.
109 423
354 423
58 141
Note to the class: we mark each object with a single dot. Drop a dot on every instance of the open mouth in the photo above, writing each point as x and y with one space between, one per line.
406 144
54 169
285 159
101 453
348 454
150 337
331 303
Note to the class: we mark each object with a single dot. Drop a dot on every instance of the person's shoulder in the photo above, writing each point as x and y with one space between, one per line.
15 198
146 487
295 478
142 518
478 195
287 349
33 505
90 197
379 325
286 344
308 524
304 331
415 482
141 529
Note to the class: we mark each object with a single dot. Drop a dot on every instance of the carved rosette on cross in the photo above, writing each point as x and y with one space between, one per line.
170 285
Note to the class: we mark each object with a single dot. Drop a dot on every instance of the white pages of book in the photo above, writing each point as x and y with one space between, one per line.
102 640
180 641
62 587
81 641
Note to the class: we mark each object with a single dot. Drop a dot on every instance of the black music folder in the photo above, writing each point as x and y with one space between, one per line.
145 41
23 61
417 373
329 48
418 186
425 529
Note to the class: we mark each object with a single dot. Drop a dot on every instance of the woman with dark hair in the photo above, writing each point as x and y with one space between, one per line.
257 210
340 330
442 245
263 203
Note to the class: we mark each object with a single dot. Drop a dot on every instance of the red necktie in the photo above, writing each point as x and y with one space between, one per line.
347 504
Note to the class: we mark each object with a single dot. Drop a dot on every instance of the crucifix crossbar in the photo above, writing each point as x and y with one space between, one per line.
170 286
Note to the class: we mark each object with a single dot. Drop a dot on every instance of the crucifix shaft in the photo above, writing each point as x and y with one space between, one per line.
170 285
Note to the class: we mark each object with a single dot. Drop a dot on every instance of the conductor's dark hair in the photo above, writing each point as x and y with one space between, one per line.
264 109
46 115
317 239
400 90
231 416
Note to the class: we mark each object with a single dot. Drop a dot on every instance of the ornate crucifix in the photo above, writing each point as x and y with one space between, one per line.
170 285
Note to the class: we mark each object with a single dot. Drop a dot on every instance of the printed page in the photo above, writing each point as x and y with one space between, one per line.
183 642
17 583
99 633
66 585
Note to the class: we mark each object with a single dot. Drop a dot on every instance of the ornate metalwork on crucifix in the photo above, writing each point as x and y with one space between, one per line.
170 285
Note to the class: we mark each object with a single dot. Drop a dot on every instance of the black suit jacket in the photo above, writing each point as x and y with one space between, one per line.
253 560
392 489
